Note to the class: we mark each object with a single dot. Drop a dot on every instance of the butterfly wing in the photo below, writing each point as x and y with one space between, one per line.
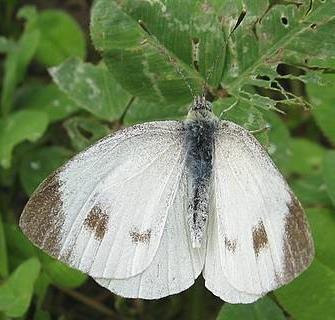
214 274
176 264
263 237
105 210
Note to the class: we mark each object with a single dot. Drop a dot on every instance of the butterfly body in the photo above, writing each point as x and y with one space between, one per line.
200 128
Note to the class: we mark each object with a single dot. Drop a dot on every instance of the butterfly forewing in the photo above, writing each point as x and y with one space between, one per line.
263 236
104 211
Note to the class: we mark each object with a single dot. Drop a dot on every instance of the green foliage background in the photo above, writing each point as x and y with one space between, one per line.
59 95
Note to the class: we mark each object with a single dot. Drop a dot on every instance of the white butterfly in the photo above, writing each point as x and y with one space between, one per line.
146 210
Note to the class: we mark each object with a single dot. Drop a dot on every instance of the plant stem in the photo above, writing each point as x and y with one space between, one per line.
90 302
130 102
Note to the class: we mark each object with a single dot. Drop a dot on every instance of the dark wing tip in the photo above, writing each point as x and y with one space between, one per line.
298 242
42 217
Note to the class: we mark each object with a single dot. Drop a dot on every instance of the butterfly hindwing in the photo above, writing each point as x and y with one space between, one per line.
263 236
105 210
215 279
176 264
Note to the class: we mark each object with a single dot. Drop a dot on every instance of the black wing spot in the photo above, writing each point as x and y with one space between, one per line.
259 237
97 221
140 237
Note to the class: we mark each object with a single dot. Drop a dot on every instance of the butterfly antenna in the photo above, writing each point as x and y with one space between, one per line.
224 47
166 54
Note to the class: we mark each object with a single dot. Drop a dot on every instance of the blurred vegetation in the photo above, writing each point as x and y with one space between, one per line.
59 95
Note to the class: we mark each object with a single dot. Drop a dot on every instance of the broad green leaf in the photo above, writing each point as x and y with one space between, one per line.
140 65
322 222
3 251
279 141
329 173
284 34
46 98
83 132
243 114
16 292
18 127
38 164
322 63
60 36
57 272
240 113
322 97
306 156
311 190
93 88
16 62
263 309
60 274
18 244
267 36
144 111
312 294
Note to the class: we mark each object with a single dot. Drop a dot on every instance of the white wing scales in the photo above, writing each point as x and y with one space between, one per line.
214 274
104 212
263 237
176 264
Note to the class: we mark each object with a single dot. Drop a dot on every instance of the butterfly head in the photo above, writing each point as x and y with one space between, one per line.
200 109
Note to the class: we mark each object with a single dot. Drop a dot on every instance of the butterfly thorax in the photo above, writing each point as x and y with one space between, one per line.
199 141
201 109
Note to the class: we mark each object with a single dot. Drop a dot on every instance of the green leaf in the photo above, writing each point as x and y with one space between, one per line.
283 34
3 251
116 32
279 137
240 113
311 190
322 222
93 88
57 272
306 156
312 295
17 59
28 12
16 292
46 98
329 173
18 127
269 35
60 36
60 274
263 309
18 244
144 111
83 132
38 164
243 114
322 97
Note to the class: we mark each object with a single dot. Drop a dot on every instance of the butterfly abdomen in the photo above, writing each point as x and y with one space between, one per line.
199 142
